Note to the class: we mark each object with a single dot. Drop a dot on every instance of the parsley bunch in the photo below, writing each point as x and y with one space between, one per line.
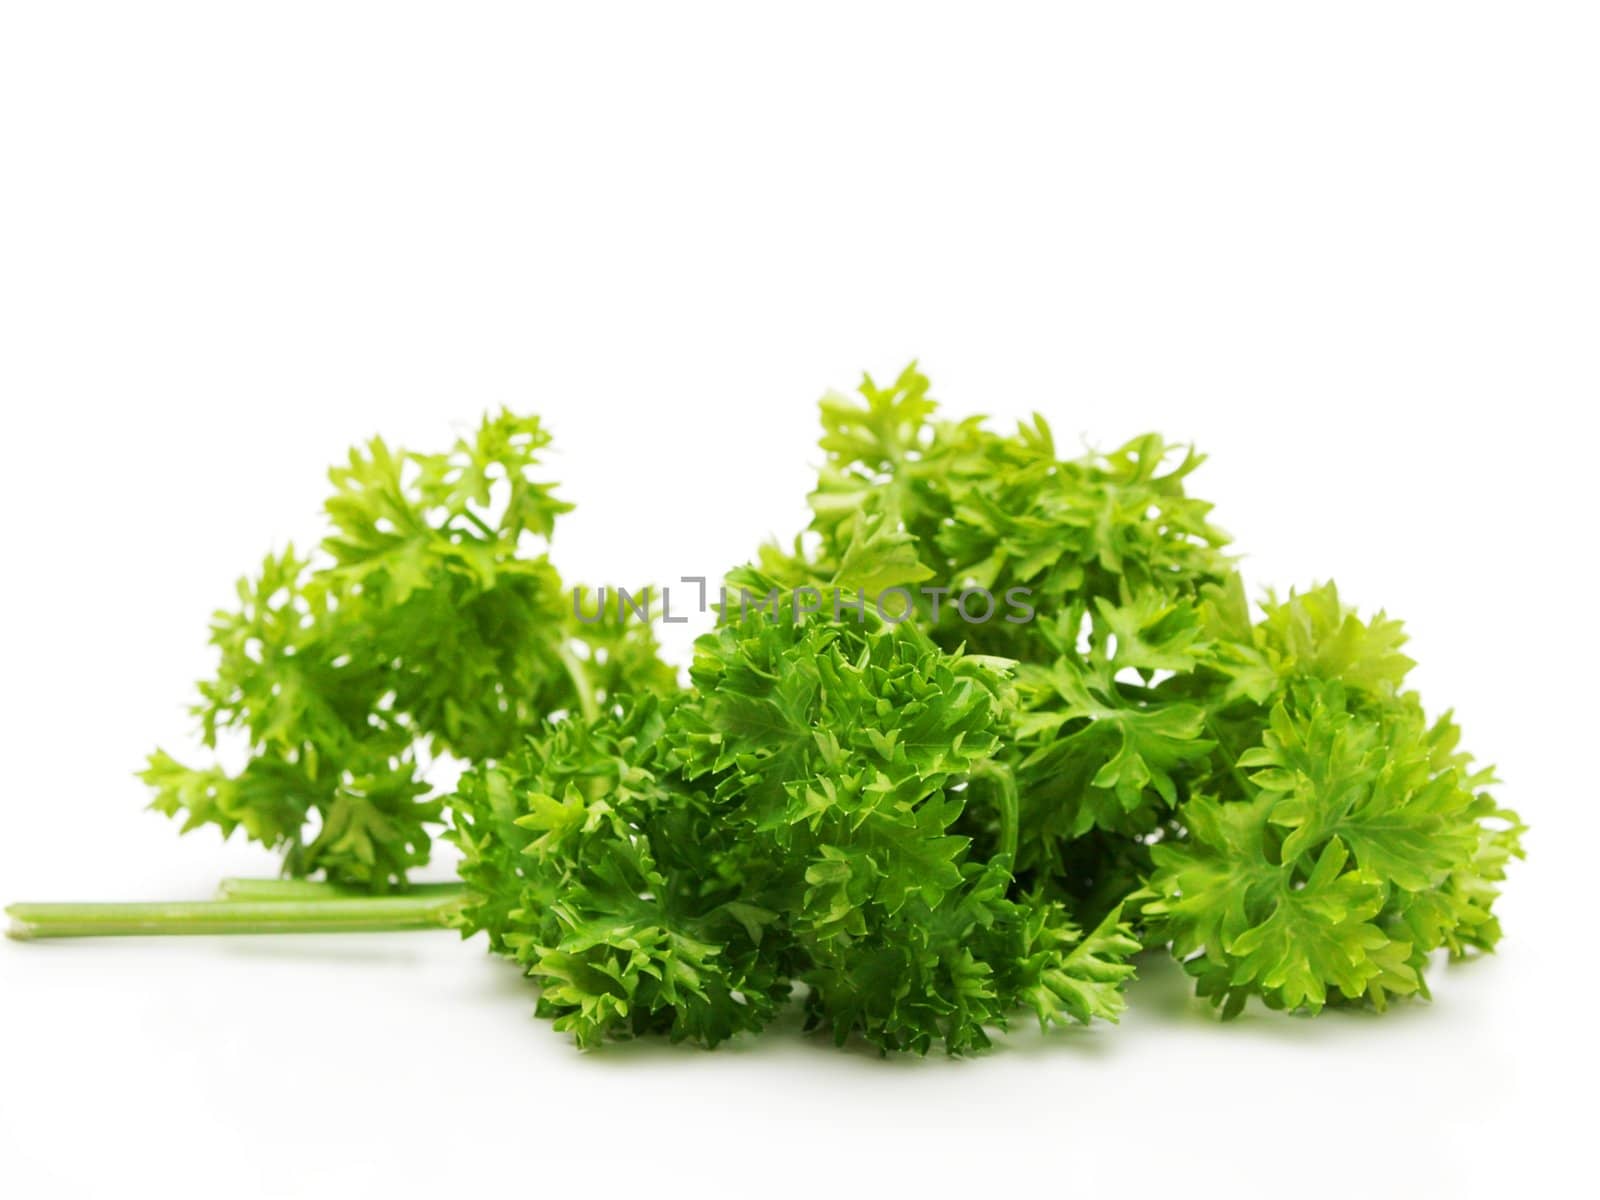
926 816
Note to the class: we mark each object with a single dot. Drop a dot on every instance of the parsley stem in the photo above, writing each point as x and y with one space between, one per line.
480 523
343 915
1231 757
308 889
580 681
1006 789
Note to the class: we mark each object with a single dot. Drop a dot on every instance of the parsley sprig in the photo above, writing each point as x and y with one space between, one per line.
430 622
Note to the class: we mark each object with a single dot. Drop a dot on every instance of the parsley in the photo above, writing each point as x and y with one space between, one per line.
927 823
425 624
794 818
1262 794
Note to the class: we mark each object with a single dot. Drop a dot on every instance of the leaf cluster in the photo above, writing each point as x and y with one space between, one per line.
923 821
1260 792
793 819
428 623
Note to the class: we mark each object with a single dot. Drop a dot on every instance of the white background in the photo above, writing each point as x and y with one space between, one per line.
1350 249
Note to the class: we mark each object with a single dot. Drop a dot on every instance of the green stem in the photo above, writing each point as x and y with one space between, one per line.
305 889
482 525
580 681
1230 758
1006 800
345 915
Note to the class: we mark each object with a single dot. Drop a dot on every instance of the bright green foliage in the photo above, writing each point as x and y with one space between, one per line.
426 622
1001 512
1265 789
925 819
1358 841
584 857
791 819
